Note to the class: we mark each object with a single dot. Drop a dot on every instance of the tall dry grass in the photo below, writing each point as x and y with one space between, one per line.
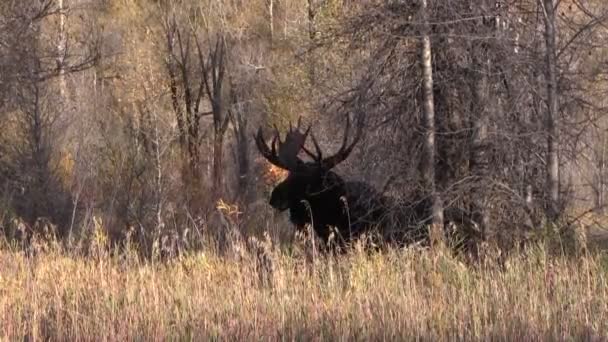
360 296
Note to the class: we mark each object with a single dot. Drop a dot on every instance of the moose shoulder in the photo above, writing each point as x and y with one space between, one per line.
338 210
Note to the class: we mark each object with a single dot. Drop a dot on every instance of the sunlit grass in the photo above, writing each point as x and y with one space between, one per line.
361 296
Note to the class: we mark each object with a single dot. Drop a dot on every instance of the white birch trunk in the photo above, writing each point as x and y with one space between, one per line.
428 168
552 170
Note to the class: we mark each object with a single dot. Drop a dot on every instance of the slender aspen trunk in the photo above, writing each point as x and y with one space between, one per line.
552 183
428 168
271 20
61 49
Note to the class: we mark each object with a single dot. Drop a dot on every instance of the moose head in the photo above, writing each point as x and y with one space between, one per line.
312 192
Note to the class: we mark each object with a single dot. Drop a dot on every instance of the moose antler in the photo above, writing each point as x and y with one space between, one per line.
285 155
343 152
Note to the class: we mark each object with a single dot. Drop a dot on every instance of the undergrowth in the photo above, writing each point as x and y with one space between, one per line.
396 294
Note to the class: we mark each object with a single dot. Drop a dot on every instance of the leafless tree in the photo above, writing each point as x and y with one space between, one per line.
196 65
488 62
30 62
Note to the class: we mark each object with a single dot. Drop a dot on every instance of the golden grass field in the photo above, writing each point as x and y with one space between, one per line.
394 295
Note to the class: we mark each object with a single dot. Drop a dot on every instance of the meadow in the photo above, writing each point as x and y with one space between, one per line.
394 295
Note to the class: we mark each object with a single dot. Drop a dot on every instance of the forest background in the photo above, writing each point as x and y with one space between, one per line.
136 116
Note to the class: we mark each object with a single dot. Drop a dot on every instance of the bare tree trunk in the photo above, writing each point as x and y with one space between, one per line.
552 114
243 160
478 153
239 123
478 158
271 20
218 169
428 167
61 50
312 34
214 73
159 176
601 186
312 30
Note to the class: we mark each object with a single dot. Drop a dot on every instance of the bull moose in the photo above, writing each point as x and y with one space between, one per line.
339 211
